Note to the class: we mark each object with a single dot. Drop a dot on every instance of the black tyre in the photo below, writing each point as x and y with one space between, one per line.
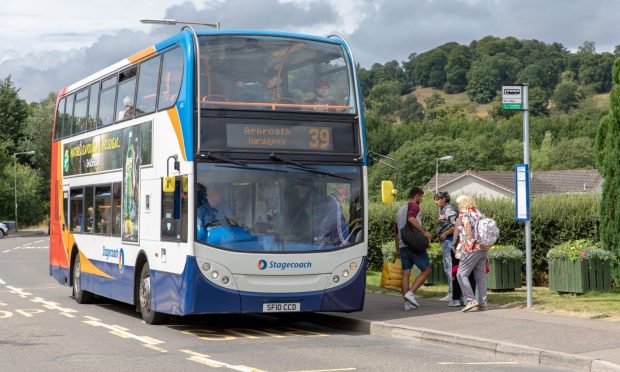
145 296
81 296
2 234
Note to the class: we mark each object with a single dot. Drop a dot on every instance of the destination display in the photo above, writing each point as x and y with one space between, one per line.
300 137
294 136
104 152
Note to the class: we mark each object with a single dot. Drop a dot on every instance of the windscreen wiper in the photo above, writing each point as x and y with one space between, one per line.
212 156
281 159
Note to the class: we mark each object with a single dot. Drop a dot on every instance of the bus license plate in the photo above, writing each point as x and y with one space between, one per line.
282 307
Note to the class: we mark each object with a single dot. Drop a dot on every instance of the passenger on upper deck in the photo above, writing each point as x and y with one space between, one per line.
129 111
322 97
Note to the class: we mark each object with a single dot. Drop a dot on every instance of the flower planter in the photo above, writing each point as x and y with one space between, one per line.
504 274
579 276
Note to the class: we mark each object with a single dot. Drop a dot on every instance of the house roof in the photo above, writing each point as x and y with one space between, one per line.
566 181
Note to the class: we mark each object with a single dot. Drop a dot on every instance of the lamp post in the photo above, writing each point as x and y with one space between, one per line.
15 177
447 158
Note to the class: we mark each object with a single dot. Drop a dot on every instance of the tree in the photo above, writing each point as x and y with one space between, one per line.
538 100
566 96
541 157
595 71
608 153
13 113
459 61
384 98
411 110
484 82
38 134
588 47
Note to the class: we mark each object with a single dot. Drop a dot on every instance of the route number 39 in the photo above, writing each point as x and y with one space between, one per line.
319 138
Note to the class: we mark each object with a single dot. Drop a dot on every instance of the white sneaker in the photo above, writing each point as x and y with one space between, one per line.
454 303
470 306
446 298
409 306
411 298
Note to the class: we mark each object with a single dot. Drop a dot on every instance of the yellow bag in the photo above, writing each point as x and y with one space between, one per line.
392 275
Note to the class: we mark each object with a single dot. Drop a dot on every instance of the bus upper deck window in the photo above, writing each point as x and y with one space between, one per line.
171 78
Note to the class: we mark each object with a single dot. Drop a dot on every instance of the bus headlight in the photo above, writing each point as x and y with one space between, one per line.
345 272
216 273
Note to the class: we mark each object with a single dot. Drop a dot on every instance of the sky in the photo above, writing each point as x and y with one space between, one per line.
47 45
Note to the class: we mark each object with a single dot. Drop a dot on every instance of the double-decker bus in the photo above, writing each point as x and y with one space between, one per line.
214 172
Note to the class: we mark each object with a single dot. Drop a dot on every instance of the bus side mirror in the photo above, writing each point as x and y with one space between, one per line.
168 184
387 192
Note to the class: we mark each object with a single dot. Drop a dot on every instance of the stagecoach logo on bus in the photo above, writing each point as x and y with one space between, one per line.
275 265
115 253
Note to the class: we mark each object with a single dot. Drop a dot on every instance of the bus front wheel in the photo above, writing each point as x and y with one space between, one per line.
149 315
81 296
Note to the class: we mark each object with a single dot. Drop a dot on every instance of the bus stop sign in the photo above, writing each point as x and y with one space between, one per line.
512 97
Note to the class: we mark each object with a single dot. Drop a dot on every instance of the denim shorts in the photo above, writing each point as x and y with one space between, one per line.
408 259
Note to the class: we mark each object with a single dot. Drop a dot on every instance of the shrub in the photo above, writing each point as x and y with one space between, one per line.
435 253
580 250
505 252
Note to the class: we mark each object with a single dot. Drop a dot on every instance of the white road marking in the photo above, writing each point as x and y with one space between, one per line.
156 348
7 251
39 241
328 370
474 363
19 291
2 282
27 244
28 312
204 360
53 305
124 334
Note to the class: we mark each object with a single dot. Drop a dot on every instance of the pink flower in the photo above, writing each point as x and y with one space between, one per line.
584 254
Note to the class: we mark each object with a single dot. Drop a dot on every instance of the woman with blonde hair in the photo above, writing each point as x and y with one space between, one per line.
473 258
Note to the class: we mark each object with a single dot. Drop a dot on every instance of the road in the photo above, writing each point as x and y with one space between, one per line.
43 329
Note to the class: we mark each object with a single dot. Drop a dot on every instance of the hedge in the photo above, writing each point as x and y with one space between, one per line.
555 219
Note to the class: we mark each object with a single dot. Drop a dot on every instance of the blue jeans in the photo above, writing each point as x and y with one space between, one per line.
446 250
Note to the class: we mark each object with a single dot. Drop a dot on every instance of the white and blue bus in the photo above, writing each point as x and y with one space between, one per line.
214 172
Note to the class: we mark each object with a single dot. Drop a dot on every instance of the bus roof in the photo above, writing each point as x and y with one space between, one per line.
185 37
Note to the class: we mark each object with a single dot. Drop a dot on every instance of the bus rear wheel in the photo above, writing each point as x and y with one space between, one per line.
149 315
81 296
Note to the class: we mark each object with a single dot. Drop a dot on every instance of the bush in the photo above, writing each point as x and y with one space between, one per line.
580 250
505 252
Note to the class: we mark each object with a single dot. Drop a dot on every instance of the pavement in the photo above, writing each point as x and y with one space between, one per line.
520 334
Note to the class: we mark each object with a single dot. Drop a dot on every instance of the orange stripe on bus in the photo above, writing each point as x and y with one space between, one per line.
176 124
142 54
88 267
